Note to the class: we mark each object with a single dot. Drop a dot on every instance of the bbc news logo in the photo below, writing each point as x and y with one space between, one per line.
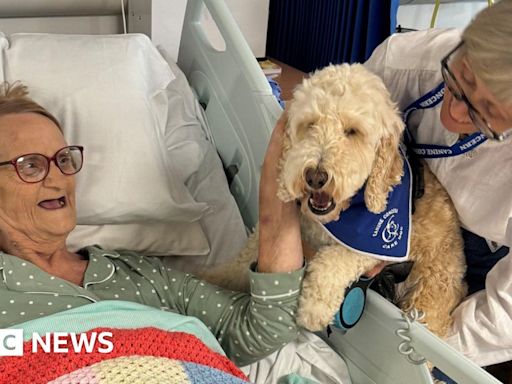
11 342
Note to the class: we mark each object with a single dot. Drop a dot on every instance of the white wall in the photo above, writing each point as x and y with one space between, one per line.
166 22
450 15
252 18
67 16
250 15
108 24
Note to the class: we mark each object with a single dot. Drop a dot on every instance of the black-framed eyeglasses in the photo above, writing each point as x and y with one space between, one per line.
456 90
34 167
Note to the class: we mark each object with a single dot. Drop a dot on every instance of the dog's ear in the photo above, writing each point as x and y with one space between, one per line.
387 170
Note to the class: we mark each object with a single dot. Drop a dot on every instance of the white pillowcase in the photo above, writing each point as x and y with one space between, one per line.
109 93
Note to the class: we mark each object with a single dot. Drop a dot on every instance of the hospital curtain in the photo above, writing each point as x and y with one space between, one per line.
310 34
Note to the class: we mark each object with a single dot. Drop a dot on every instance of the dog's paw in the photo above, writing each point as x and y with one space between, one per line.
314 317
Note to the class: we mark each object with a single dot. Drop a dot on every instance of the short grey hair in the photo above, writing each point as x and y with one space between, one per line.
487 44
14 98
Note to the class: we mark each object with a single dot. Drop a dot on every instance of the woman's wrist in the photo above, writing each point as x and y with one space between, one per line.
280 246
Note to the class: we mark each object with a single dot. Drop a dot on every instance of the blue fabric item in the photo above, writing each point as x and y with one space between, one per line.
276 91
312 34
202 374
293 378
385 235
479 259
432 151
394 10
428 100
378 24
439 375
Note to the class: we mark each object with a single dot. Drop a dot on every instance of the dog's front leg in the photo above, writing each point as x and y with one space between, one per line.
329 273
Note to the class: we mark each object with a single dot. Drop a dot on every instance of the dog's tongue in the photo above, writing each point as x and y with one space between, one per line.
321 199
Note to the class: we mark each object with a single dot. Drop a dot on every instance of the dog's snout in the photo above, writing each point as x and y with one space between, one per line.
315 177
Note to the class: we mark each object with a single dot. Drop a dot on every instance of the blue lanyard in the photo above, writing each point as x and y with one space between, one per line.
431 151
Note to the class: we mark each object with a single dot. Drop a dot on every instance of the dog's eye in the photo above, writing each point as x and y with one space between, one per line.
350 131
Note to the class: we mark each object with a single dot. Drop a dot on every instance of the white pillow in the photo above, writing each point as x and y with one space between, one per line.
109 93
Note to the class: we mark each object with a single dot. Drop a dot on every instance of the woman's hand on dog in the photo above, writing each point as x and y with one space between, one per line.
280 248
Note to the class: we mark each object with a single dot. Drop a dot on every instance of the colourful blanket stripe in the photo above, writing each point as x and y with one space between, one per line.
186 349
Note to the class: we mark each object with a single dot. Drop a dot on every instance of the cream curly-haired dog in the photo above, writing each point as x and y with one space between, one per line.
344 131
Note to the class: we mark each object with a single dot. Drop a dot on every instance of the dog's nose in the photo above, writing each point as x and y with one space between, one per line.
315 177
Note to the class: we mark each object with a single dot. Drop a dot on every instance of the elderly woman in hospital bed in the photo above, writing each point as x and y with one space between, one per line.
42 277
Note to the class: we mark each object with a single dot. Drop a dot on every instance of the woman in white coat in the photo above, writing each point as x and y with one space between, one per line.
456 94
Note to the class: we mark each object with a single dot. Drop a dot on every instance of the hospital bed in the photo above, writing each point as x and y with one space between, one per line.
238 112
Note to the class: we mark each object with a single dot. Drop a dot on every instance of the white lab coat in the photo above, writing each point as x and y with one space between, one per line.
479 183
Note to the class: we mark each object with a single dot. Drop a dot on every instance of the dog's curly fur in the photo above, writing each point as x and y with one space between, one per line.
343 131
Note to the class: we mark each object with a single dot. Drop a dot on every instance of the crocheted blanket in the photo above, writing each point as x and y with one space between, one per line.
134 355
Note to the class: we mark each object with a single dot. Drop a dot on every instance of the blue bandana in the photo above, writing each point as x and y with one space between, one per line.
385 235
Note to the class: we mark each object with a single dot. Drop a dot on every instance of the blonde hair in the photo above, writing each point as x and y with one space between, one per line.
14 99
487 41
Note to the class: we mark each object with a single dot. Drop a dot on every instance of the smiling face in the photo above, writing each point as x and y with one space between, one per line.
330 158
43 211
339 121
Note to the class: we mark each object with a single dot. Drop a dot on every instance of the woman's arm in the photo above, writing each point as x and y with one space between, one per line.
251 326
280 247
